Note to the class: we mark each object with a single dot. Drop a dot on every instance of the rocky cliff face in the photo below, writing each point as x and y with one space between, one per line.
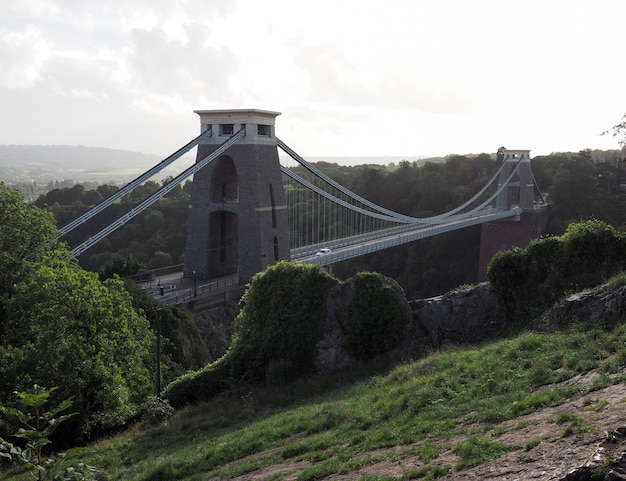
455 318
463 317
594 308
459 317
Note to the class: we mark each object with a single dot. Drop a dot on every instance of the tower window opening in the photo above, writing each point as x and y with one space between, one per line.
263 130
226 129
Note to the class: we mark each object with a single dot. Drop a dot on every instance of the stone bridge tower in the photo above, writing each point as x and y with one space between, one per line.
237 219
519 192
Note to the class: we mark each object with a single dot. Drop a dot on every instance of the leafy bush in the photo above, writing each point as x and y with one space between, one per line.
276 333
373 321
529 280
154 411
593 251
37 423
282 317
202 384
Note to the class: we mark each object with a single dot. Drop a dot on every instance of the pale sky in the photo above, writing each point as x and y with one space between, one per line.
351 77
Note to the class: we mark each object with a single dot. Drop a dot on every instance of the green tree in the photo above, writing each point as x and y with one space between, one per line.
26 235
122 266
67 328
573 189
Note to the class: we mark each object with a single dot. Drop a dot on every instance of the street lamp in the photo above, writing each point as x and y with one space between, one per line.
158 352
195 290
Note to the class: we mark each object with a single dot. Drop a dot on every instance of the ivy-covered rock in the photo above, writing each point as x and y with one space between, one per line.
373 318
280 322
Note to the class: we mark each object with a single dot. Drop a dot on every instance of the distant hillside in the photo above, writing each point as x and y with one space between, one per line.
379 160
45 163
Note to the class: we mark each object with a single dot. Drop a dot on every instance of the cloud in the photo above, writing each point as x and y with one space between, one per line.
171 67
390 77
23 55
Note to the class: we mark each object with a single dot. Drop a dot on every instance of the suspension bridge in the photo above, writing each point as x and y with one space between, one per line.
249 208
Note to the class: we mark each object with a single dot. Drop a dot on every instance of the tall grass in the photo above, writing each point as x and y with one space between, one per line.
338 423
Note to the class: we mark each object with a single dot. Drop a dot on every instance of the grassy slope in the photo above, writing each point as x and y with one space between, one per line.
338 424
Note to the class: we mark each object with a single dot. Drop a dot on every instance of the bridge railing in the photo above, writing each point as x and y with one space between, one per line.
173 294
395 237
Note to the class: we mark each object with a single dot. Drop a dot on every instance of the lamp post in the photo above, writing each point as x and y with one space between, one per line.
195 290
158 352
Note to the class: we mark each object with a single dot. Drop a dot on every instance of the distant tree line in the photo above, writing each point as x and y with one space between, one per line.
154 238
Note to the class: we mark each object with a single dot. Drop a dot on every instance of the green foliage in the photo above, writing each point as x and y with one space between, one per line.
202 384
182 345
154 238
63 326
66 327
373 321
617 281
154 411
276 332
118 265
26 234
528 280
282 317
37 425
593 251
573 188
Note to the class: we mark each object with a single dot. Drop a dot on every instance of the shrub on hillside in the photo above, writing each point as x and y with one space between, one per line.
373 321
282 317
276 333
197 385
592 252
529 280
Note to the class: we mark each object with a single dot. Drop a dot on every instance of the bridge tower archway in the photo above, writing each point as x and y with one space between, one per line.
237 219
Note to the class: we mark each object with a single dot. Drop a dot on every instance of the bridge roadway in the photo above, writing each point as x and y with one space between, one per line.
350 247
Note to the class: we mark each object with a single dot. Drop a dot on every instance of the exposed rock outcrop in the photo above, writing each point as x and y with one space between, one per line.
463 317
457 317
595 307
